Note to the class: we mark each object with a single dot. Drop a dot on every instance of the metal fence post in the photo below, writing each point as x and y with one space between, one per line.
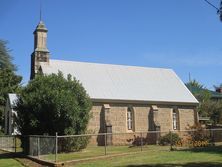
56 146
141 141
38 146
105 143
15 143
171 142
212 137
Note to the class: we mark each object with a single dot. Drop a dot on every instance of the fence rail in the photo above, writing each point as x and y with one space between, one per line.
71 147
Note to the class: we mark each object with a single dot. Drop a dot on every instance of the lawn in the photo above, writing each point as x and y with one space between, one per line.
95 151
7 160
210 157
152 155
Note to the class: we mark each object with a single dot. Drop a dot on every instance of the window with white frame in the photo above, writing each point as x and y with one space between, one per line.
175 119
129 118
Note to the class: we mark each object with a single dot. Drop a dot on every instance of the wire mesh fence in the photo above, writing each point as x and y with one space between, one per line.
75 147
7 143
11 143
42 147
197 138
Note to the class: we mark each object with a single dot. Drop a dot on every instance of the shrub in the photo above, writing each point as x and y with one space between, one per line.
169 138
52 103
68 144
199 133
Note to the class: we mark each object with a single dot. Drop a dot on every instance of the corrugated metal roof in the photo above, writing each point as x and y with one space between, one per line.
119 82
12 99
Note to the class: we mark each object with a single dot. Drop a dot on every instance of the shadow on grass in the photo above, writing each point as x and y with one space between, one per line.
201 164
6 155
210 149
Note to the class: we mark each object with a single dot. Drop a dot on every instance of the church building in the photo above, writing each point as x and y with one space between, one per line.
125 98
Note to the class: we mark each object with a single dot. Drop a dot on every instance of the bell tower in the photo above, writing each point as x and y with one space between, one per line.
40 53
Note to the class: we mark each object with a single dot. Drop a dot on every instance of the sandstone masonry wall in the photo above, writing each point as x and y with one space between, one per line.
118 117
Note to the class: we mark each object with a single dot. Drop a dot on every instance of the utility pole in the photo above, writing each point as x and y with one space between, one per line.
219 10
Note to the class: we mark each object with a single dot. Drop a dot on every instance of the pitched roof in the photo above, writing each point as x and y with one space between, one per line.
127 83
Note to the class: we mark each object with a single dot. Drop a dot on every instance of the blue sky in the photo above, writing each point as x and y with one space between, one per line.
184 35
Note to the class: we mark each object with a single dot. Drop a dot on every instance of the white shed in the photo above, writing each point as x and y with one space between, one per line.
10 114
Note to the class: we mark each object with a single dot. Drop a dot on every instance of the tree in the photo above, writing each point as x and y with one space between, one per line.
202 95
215 112
50 104
9 81
207 107
5 57
194 83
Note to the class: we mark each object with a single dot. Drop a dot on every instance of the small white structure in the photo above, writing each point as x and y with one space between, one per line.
10 114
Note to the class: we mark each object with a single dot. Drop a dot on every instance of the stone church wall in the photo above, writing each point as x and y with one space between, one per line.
117 116
187 117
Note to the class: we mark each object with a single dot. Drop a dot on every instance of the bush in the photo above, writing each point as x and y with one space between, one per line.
199 133
166 139
69 144
52 103
138 141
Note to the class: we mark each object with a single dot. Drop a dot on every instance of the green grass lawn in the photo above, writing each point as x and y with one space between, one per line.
9 162
152 155
194 158
95 151
6 160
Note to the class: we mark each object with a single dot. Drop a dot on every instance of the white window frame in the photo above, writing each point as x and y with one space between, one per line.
129 118
175 116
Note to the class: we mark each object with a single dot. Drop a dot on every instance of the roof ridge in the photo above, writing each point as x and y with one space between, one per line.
119 65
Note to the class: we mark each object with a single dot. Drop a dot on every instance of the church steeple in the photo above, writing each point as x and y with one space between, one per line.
41 53
40 36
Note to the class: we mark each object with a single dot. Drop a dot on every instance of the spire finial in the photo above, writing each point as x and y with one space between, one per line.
40 10
189 77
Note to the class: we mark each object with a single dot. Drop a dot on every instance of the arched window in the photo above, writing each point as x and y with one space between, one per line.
130 118
175 119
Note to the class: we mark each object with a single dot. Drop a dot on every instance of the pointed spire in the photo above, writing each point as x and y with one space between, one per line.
41 25
40 12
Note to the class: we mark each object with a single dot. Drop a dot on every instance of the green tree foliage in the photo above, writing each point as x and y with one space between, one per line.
216 112
169 138
9 81
205 104
216 108
50 104
194 83
5 57
207 107
202 95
